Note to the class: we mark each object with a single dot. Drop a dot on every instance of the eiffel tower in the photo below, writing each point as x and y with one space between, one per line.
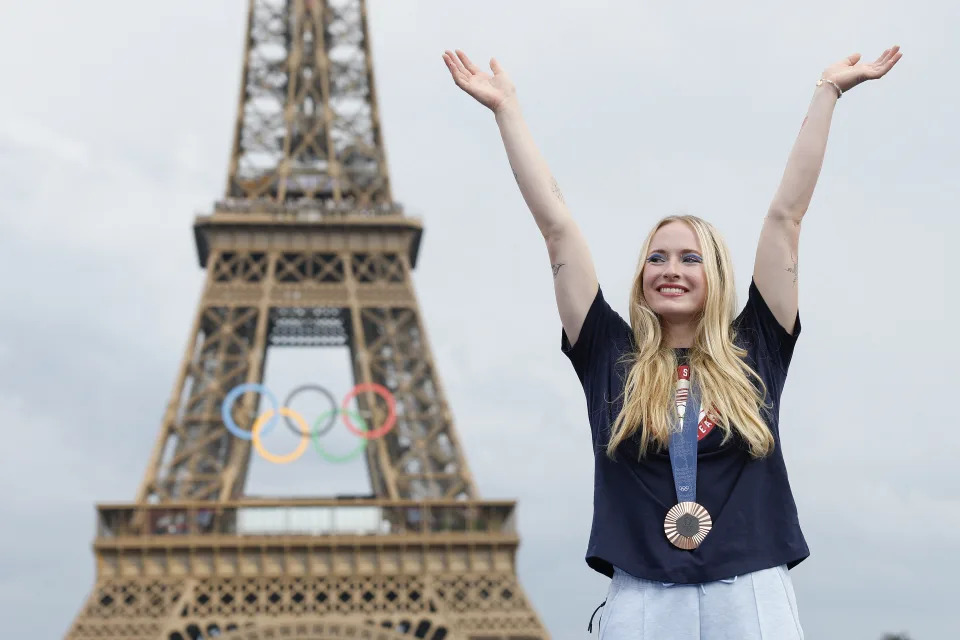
307 248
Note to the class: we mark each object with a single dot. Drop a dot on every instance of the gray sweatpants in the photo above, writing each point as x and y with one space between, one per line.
754 606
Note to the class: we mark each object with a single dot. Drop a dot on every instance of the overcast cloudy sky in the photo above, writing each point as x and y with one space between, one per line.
115 127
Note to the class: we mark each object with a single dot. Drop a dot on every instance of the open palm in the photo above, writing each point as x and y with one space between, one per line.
849 72
489 90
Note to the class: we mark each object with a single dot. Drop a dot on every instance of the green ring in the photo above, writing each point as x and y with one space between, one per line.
347 457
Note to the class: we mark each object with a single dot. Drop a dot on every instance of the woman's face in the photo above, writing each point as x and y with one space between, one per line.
674 283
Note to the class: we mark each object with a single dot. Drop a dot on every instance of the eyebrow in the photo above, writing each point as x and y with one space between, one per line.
681 251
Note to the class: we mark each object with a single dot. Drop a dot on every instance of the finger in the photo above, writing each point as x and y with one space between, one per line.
467 63
892 60
464 62
458 77
890 53
449 59
853 58
495 66
459 65
449 62
879 71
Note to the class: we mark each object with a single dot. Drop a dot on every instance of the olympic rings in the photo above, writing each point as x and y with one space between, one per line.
318 388
232 397
287 412
391 406
347 456
265 421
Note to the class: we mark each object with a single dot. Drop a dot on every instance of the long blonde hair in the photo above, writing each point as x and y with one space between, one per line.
716 363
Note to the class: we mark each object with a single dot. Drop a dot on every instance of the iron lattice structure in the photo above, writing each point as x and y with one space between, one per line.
307 248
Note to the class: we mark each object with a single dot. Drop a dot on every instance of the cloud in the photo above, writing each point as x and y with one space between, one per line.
26 135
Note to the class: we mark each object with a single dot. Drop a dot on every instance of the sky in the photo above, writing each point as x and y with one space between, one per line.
115 130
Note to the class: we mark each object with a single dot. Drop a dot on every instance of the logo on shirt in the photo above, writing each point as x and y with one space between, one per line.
706 422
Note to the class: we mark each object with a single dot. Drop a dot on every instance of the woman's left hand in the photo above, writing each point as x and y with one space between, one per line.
849 72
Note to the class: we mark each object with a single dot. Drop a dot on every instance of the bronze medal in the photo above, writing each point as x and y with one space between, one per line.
686 525
688 522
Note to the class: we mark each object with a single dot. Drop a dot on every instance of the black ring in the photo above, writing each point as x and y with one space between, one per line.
331 420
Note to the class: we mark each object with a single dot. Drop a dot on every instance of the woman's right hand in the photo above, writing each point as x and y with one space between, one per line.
492 92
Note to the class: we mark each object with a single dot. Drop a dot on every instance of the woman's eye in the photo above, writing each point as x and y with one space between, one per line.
687 258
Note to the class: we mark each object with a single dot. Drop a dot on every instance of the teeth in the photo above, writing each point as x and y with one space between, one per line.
670 290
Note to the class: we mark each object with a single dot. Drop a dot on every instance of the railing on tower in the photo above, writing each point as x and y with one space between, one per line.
306 517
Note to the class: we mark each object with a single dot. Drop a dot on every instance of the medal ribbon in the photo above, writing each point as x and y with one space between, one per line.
683 441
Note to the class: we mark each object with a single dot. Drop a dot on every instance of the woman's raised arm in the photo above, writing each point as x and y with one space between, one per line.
776 267
574 276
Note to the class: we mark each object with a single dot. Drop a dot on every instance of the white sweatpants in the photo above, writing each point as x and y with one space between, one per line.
754 606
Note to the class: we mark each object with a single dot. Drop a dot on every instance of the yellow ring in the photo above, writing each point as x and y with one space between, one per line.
290 457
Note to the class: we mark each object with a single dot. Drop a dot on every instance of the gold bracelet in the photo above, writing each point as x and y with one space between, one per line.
835 86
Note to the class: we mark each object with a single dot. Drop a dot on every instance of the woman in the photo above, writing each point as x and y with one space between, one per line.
685 389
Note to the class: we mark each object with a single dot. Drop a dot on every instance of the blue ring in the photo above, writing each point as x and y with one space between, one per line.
233 395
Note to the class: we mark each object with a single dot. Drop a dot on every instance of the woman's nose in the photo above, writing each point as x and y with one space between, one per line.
671 269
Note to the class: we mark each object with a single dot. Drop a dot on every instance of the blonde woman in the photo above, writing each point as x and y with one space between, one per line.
694 519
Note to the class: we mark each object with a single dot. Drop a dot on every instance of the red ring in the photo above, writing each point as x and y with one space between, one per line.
391 409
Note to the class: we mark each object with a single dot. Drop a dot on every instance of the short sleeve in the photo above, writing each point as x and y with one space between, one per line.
602 338
770 344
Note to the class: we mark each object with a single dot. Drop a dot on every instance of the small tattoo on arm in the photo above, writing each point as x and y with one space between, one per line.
795 270
556 269
556 190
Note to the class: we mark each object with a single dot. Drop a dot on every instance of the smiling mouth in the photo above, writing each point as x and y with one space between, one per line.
672 292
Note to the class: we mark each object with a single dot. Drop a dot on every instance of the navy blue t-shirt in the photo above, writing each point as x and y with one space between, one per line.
755 524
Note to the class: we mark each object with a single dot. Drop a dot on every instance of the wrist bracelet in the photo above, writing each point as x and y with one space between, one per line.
835 86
